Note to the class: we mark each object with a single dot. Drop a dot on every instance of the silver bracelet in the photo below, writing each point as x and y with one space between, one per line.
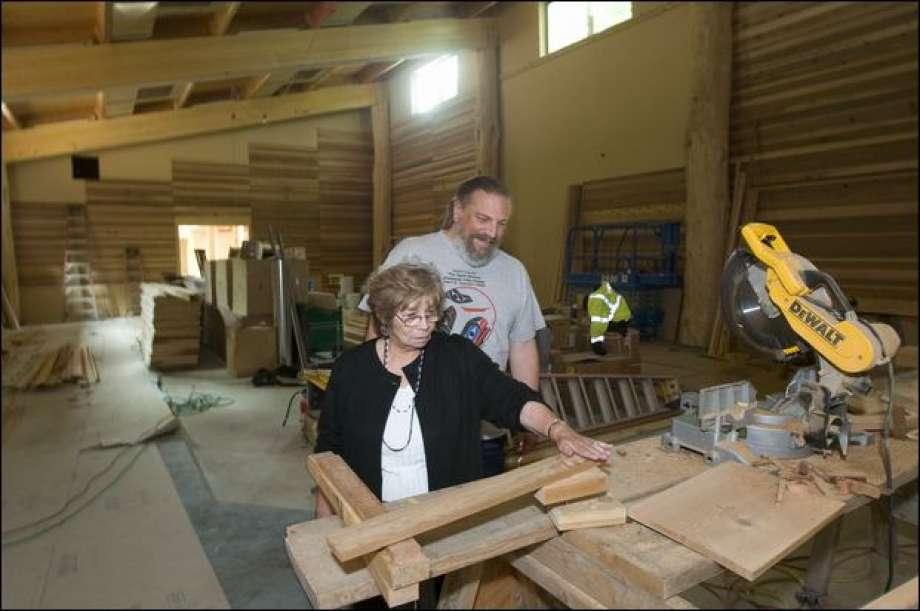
550 427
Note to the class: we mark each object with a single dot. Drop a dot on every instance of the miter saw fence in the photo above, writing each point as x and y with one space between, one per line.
782 305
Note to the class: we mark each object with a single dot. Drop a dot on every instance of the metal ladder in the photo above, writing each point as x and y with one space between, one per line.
591 401
79 286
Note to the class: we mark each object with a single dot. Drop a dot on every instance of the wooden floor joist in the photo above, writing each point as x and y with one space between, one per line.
451 505
397 569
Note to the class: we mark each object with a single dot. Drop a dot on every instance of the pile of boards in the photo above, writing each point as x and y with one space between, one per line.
171 332
52 366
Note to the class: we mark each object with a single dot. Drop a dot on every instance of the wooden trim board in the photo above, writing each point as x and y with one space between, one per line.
451 505
746 533
396 569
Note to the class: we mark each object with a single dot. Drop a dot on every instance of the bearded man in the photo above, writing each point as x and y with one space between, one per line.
488 295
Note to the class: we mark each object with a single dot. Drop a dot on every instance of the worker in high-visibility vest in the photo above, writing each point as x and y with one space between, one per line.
608 311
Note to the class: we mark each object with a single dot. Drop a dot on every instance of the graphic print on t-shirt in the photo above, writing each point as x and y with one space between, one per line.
470 312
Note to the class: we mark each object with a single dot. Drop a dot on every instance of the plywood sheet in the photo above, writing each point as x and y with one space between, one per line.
729 514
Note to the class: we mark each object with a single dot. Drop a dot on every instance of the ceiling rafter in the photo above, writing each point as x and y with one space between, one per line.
223 15
56 139
10 117
38 71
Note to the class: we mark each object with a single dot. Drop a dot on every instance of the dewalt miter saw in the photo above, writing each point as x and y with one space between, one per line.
780 304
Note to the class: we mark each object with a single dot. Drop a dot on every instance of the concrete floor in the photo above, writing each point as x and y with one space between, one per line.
240 478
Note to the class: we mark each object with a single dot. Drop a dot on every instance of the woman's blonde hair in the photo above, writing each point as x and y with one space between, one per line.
391 289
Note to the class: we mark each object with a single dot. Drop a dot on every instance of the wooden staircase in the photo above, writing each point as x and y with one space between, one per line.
82 294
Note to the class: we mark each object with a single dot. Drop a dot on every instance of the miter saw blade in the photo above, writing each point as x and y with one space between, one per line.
749 313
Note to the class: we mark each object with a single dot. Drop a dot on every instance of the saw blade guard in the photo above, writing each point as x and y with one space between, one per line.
752 316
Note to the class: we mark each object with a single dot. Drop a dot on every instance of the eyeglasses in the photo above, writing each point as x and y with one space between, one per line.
418 320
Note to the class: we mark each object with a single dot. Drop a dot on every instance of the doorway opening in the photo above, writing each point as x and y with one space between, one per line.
215 240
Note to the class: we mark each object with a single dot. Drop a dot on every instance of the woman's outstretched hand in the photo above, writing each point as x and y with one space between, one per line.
571 443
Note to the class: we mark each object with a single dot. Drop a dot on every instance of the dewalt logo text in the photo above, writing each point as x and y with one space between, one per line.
817 324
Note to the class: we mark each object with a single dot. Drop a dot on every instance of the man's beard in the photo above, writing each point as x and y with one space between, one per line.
475 258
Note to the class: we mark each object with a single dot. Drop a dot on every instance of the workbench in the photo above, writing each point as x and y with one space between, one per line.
632 566
626 566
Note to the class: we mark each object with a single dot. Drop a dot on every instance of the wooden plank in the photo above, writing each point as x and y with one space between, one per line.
396 569
644 558
329 583
37 70
746 533
590 513
460 588
463 500
586 483
488 129
578 581
905 596
54 139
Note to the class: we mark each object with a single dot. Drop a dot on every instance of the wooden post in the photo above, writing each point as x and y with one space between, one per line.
707 171
487 121
10 277
382 214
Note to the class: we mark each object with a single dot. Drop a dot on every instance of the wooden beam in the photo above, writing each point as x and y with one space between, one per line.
185 90
318 12
102 31
905 596
461 501
460 588
116 102
9 116
39 71
592 513
372 72
383 179
586 483
346 12
10 275
396 570
471 10
67 138
707 171
222 17
265 85
488 129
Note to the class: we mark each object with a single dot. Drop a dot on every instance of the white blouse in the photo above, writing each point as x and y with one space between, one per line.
405 473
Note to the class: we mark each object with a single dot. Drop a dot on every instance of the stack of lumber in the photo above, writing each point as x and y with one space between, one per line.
171 326
355 322
51 366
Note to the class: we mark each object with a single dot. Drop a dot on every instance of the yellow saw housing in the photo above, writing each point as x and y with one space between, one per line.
848 343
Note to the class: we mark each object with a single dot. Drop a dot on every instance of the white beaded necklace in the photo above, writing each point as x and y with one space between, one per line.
418 383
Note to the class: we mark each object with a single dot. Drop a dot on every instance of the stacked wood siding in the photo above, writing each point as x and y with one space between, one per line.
431 154
824 123
346 194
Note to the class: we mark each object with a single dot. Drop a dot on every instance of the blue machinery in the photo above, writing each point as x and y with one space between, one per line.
625 254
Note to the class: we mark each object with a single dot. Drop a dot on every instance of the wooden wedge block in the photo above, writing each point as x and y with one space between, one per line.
586 483
460 588
591 513
451 505
397 569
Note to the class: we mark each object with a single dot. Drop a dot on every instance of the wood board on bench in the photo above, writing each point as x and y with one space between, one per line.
491 533
729 514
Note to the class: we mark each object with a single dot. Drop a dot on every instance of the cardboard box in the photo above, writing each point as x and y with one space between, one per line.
299 271
250 349
223 275
252 287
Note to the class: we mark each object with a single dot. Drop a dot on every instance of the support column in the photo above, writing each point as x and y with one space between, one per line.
382 213
10 273
488 129
707 171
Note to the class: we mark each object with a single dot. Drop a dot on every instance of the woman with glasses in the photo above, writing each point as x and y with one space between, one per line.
404 410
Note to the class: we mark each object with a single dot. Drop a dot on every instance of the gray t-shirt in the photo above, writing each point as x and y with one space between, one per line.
493 305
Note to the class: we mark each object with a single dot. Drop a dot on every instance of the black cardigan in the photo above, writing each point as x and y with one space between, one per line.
460 386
